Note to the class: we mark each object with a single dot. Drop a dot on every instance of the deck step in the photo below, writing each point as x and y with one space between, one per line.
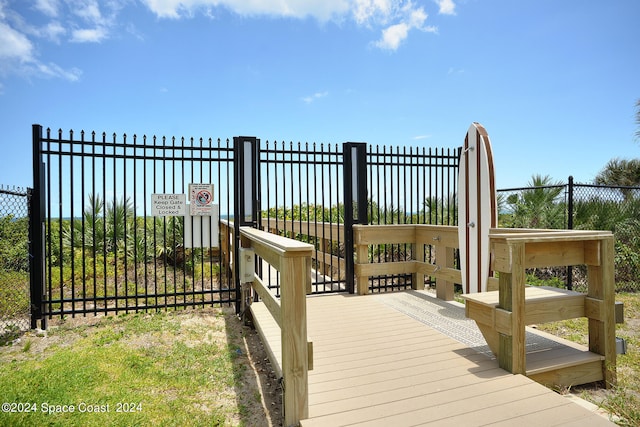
561 363
564 363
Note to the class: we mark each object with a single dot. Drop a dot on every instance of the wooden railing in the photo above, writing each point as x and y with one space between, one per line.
508 309
442 239
328 236
292 259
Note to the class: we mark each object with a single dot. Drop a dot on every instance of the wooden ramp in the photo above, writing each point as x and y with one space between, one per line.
374 366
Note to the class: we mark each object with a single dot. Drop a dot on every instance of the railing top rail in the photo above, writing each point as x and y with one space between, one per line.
393 233
530 236
312 222
405 226
279 244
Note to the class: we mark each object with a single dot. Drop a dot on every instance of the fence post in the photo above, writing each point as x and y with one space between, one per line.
355 202
570 203
570 227
35 200
246 210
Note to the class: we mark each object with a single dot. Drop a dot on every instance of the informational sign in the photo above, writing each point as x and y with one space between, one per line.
201 199
168 205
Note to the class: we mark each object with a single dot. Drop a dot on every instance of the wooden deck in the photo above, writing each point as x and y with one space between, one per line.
375 366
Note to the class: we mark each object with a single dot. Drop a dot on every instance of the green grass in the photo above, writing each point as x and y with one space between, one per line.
163 370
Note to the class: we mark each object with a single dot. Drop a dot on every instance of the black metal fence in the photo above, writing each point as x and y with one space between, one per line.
308 192
302 197
409 186
104 250
14 262
580 206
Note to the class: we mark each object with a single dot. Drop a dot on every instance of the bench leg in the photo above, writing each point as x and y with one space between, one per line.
491 337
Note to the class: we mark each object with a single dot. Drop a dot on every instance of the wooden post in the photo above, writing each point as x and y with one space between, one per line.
362 256
417 254
602 339
294 338
445 258
512 356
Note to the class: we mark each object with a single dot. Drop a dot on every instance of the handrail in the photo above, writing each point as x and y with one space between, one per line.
293 260
512 251
443 238
324 232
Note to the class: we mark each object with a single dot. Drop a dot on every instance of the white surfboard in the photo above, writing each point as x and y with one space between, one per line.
477 209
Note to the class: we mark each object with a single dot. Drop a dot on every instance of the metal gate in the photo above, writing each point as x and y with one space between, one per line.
103 250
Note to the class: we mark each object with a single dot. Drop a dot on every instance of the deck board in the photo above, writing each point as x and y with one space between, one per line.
375 366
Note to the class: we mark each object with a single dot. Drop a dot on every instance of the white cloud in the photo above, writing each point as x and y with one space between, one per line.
93 21
53 70
323 10
419 137
96 19
88 10
446 7
14 45
410 18
89 35
395 18
366 11
53 31
18 56
393 36
315 97
48 7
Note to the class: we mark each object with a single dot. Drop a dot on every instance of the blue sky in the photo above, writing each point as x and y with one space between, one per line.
554 82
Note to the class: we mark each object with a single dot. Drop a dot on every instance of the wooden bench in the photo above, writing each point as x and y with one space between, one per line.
502 315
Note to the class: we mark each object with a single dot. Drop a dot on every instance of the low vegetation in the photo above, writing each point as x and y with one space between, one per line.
192 367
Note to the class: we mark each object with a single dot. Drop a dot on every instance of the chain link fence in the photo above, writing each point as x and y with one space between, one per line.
14 263
580 207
